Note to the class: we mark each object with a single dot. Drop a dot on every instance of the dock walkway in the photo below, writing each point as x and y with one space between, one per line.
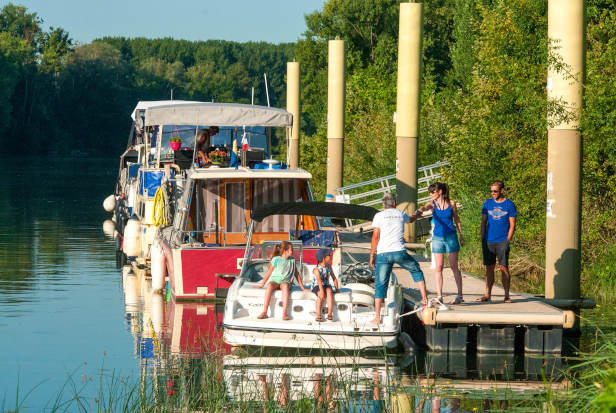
526 324
525 309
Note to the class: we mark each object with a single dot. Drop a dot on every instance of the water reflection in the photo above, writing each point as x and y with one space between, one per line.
60 294
181 351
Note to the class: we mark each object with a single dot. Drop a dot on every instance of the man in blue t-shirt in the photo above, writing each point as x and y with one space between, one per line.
497 226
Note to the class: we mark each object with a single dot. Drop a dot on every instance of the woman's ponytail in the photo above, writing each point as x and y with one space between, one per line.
278 249
445 192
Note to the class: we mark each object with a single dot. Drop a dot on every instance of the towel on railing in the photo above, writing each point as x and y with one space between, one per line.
314 238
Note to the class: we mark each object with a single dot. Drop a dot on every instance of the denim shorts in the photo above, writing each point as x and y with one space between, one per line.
445 245
316 289
384 264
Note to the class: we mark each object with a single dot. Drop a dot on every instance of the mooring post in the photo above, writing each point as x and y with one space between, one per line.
293 108
562 246
335 115
407 109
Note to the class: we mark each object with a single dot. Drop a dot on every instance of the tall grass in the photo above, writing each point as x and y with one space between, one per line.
594 377
206 385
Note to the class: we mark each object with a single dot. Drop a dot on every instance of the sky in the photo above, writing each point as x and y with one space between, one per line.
274 21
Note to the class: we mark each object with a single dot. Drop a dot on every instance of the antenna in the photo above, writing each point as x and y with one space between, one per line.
266 90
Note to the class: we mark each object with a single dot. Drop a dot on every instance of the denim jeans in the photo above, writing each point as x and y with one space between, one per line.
384 264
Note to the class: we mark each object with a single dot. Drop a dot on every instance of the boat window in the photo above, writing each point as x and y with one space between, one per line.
208 204
276 190
256 135
259 259
256 271
235 207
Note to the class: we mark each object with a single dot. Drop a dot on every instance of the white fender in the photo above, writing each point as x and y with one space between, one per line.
109 228
157 258
132 238
109 203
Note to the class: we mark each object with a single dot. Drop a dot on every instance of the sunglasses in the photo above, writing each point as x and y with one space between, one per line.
494 191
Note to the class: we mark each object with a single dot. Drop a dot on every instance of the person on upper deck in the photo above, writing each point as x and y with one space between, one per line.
387 249
204 143
444 236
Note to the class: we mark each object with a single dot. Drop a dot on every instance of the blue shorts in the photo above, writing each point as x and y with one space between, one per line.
316 289
384 264
445 245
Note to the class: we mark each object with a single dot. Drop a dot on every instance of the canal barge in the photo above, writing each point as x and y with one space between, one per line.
190 210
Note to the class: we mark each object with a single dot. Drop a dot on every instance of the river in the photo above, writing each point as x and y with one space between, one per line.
63 319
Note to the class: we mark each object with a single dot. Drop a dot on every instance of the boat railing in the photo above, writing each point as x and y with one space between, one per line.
191 237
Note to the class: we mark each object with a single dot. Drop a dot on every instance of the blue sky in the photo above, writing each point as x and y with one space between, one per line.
273 21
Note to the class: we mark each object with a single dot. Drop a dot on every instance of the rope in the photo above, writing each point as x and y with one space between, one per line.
158 212
441 306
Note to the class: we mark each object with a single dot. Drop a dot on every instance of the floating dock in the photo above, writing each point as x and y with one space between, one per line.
527 324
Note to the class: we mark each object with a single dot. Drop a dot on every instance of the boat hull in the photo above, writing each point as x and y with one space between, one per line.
310 339
201 273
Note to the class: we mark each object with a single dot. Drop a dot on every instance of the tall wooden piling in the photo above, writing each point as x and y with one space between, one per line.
566 35
407 108
335 115
293 108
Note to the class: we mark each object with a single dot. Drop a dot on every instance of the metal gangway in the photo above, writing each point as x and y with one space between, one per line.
370 192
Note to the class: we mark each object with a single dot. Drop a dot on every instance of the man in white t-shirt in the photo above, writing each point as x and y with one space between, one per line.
388 247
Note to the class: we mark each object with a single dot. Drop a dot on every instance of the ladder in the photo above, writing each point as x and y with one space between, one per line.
370 192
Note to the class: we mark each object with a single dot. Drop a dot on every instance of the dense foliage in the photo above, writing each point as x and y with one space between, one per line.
57 95
484 109
484 105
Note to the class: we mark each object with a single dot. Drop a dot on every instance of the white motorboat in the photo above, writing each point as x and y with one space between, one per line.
352 327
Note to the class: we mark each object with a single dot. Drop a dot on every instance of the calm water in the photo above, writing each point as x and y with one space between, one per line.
61 302
62 308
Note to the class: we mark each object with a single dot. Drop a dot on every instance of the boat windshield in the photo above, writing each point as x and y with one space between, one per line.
256 136
259 258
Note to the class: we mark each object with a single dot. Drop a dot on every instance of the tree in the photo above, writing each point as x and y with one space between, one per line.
14 20
55 47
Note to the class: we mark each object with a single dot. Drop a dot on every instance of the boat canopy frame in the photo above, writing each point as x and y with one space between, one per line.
217 114
320 209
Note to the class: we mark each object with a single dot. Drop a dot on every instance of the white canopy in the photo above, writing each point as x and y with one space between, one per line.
144 105
214 114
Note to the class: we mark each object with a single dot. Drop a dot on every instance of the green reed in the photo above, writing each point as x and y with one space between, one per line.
379 381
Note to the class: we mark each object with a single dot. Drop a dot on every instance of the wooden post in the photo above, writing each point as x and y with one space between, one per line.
562 249
335 116
407 109
293 108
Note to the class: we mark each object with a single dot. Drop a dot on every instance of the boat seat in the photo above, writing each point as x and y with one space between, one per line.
360 287
363 299
343 296
248 290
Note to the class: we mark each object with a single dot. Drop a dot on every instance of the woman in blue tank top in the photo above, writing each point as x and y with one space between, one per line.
444 236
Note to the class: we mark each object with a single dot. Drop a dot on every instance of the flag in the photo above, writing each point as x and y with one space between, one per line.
234 162
244 141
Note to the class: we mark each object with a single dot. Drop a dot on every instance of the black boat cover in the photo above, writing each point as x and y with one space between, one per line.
320 209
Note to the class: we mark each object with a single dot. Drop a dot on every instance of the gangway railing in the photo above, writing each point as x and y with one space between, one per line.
370 192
